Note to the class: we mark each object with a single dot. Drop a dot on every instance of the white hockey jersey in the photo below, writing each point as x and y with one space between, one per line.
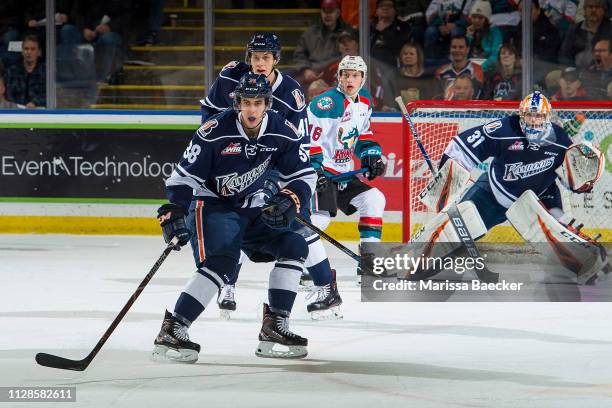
340 127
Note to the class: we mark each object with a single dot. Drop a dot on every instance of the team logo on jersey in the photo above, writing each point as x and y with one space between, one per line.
232 148
343 155
492 126
347 139
325 103
516 171
516 146
207 127
346 116
534 146
300 101
250 150
229 65
230 184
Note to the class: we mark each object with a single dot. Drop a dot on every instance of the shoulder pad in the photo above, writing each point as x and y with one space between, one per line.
365 97
235 69
327 105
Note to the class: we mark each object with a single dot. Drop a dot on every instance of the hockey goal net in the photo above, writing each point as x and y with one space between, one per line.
437 122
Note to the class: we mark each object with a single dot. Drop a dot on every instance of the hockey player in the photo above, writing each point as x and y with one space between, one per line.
528 153
263 52
340 128
225 166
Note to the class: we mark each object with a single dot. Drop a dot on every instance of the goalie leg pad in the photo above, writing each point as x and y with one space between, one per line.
446 187
576 251
438 238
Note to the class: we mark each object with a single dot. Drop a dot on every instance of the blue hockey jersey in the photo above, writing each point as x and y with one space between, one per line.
287 95
517 165
222 162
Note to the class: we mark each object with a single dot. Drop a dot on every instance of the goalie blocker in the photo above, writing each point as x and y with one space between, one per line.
576 251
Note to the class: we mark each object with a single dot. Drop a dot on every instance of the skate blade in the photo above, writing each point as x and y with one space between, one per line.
266 349
333 313
225 314
164 354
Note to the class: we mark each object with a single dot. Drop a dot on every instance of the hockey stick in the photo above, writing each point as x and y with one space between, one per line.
342 176
453 213
326 237
50 360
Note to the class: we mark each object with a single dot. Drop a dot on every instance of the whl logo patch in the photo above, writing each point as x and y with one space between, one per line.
232 148
516 171
516 146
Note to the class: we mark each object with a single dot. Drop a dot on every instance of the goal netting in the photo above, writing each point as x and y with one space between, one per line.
437 122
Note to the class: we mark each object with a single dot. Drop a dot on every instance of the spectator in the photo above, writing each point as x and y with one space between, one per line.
504 84
446 74
318 45
484 40
412 82
26 81
463 88
155 15
597 77
561 13
348 44
412 12
579 40
11 19
546 42
316 88
104 25
387 34
4 103
570 87
350 11
505 16
35 17
445 19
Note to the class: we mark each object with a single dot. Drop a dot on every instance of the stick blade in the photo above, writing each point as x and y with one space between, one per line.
49 360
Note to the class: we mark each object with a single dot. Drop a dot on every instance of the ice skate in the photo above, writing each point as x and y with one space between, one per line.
326 306
172 343
275 339
227 301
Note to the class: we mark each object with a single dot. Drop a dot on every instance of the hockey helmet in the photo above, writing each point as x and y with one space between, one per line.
253 85
535 103
352 62
263 42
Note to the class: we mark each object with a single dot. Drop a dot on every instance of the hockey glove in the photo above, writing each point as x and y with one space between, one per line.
374 165
322 181
280 209
269 189
172 221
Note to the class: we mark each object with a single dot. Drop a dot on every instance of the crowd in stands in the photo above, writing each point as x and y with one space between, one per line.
419 49
91 37
465 49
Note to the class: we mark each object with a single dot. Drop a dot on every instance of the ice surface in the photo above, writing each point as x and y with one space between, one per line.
59 293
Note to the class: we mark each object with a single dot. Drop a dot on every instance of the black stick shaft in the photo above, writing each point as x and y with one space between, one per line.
326 237
80 365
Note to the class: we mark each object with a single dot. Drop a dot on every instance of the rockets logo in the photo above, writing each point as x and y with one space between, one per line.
325 103
347 139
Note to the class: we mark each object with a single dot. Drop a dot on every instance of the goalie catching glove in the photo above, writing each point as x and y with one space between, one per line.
172 221
582 166
281 209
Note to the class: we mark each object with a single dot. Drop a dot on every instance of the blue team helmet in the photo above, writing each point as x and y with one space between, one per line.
253 85
535 104
264 42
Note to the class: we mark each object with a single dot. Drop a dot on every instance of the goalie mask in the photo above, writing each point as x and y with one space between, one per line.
581 168
253 86
534 112
352 62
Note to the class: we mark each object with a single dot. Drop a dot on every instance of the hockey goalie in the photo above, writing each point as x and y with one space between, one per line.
529 153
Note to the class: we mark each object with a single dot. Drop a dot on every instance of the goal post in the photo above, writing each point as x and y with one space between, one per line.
437 122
